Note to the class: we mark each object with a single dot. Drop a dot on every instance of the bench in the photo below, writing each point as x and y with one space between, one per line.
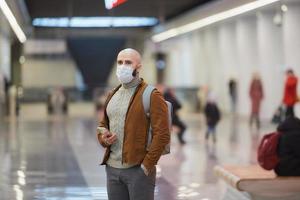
255 183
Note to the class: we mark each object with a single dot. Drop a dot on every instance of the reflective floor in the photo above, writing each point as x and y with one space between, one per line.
57 158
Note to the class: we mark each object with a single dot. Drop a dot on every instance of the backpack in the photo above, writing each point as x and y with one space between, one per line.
146 103
267 155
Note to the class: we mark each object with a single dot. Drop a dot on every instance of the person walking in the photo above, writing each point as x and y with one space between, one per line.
290 93
232 86
176 121
213 116
256 94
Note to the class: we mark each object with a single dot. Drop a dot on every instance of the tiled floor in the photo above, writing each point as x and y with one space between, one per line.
57 158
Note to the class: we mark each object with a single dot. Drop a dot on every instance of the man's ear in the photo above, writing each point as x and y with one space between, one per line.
139 66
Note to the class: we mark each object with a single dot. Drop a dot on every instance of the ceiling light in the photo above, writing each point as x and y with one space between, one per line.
12 21
22 60
210 20
95 22
284 8
51 22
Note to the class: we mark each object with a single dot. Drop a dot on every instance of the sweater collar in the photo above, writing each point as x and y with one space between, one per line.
135 82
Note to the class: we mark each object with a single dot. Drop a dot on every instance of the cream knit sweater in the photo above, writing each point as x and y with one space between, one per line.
116 112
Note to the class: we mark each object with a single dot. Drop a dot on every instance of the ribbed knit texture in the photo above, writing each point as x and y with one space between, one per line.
116 112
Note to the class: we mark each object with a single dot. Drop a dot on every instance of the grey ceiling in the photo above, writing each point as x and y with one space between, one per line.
163 9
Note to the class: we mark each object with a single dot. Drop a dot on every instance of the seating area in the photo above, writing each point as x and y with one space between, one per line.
255 183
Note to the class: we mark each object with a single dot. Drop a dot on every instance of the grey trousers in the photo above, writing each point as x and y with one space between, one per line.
130 184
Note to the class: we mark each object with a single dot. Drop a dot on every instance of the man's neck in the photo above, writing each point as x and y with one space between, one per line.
132 83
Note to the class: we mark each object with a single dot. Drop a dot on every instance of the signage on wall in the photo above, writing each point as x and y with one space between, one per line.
109 4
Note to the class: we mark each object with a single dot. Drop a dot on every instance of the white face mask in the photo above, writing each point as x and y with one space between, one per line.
124 73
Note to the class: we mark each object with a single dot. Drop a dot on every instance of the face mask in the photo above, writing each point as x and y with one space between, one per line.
124 73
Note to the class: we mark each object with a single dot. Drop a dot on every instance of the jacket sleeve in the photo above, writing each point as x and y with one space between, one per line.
160 129
177 104
218 113
206 110
103 124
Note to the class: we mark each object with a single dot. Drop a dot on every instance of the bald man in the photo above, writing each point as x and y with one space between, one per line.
123 131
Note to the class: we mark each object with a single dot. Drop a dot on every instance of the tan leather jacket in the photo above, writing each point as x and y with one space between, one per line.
136 129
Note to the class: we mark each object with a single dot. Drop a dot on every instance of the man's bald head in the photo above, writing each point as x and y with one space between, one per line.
129 57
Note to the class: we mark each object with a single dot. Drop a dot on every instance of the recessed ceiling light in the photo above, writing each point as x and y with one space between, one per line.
284 8
12 21
210 20
95 22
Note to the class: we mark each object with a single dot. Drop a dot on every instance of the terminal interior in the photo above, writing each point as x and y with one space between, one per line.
58 63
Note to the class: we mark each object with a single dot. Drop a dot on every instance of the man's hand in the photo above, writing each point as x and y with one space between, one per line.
109 138
146 172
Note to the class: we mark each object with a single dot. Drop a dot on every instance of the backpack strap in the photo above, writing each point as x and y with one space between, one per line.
147 98
146 103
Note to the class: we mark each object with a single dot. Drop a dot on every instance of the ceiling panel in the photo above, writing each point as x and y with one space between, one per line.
163 9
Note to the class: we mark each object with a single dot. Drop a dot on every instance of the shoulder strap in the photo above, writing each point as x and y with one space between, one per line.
146 98
146 103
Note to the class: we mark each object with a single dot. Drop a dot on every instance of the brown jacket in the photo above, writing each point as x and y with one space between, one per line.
136 129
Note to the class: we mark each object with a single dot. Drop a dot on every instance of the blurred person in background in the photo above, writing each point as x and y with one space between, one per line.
232 86
2 95
57 101
169 95
6 92
289 148
213 116
256 94
290 93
